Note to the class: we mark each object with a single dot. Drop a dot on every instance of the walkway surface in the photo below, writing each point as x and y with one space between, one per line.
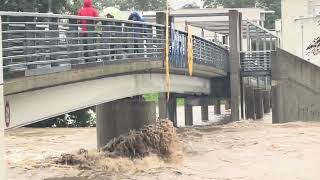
241 150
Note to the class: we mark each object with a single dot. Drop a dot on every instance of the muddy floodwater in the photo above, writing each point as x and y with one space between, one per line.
242 150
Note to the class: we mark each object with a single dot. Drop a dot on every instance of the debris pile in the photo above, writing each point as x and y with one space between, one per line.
159 139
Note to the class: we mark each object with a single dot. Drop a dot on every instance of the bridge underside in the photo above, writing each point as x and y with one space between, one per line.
33 106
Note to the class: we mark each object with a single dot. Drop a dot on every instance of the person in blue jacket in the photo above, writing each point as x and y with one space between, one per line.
135 16
138 33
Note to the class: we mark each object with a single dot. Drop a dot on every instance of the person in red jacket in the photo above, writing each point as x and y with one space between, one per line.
86 10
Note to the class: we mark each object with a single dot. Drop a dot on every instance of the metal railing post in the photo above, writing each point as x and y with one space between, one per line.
2 112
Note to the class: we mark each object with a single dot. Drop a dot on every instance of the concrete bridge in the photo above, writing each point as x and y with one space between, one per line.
51 68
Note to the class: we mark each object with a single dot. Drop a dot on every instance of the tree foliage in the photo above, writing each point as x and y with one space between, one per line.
72 6
139 5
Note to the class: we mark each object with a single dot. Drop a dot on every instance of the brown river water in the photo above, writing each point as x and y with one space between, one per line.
242 150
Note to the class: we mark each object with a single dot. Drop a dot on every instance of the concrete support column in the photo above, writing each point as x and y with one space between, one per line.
278 103
163 106
250 102
188 113
227 105
258 94
266 101
234 62
119 117
217 107
172 109
204 113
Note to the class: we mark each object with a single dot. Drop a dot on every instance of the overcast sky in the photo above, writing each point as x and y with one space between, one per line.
179 3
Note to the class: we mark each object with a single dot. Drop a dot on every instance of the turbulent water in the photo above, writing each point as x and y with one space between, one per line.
239 150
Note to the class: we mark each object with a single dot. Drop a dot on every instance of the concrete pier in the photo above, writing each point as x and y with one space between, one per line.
259 110
227 105
266 101
204 113
119 117
168 109
217 107
250 102
172 109
188 112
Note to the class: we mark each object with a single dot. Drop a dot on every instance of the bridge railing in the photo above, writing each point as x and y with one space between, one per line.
255 63
50 41
210 53
31 40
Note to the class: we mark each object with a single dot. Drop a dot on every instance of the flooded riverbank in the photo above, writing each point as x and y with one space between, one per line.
239 150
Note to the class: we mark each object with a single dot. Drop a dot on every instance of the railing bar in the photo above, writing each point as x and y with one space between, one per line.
75 52
74 45
79 59
79 38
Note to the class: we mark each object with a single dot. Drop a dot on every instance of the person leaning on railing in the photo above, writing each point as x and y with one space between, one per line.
86 10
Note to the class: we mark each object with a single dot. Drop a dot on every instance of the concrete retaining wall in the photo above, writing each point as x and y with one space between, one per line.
295 90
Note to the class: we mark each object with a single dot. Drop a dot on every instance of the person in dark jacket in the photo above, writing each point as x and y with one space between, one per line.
86 10
135 16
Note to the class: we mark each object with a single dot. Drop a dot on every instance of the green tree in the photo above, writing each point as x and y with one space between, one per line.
273 5
139 5
58 6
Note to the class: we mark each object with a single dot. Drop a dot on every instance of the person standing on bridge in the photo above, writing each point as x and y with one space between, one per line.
138 32
86 10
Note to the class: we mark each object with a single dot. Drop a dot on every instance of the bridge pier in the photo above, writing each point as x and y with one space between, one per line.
172 109
217 107
205 113
259 108
188 112
168 109
266 101
250 102
227 105
121 116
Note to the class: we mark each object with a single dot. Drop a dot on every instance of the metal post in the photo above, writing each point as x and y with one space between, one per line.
2 116
271 43
248 37
257 39
202 32
265 63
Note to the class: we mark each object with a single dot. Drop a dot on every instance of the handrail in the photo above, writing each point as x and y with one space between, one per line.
48 40
60 16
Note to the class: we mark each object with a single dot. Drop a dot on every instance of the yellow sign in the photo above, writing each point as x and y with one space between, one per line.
190 51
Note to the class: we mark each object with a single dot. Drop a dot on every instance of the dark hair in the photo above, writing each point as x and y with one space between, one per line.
137 16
